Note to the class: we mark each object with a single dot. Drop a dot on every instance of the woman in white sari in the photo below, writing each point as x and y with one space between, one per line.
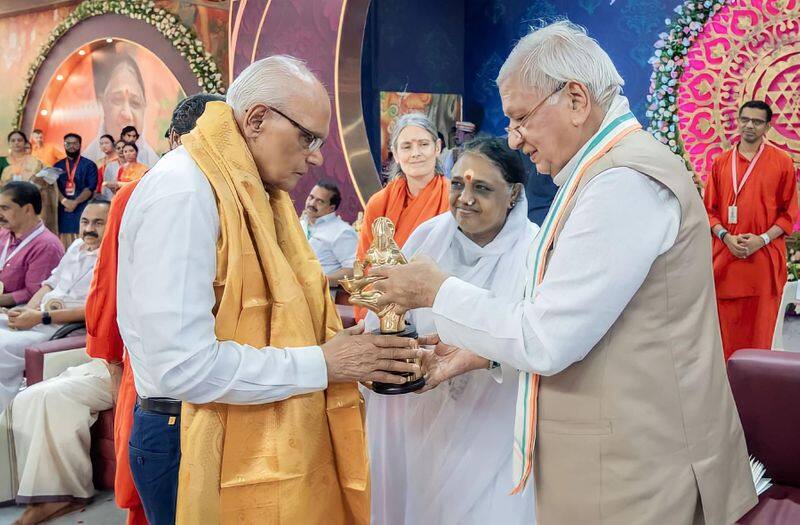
444 456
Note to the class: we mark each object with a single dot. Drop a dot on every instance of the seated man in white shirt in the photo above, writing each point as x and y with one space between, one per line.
332 239
59 301
51 419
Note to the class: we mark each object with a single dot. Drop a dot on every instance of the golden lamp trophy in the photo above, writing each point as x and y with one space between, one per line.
383 252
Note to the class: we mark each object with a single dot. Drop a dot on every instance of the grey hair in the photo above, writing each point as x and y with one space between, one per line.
410 119
267 81
561 52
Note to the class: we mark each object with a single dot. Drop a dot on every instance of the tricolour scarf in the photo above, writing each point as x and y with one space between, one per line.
618 123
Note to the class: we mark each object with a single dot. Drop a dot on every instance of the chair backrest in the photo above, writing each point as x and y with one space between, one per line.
789 296
766 387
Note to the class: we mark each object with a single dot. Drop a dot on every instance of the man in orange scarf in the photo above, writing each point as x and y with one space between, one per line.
104 340
751 199
228 311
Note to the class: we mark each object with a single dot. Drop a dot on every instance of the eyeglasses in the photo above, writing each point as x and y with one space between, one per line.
757 122
312 142
516 129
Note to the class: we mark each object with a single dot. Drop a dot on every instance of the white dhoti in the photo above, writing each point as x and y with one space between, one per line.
51 422
12 356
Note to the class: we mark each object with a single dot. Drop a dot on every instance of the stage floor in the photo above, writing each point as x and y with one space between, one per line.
102 511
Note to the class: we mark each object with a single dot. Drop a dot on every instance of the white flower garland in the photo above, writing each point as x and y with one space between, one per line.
202 64
671 51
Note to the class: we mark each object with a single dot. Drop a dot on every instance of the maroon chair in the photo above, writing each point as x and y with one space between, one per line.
104 461
766 388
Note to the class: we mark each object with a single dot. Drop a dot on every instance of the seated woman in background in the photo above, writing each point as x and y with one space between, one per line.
130 170
21 165
417 189
445 456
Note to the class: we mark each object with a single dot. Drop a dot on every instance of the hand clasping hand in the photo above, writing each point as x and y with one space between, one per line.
353 356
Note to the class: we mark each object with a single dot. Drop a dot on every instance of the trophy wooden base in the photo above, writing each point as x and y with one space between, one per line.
391 389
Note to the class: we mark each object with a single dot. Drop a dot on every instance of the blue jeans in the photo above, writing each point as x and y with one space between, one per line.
155 454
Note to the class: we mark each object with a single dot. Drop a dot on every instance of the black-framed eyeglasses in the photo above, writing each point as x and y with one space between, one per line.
515 130
311 141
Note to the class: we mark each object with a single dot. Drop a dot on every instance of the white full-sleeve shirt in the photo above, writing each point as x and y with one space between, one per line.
621 222
333 241
72 278
165 296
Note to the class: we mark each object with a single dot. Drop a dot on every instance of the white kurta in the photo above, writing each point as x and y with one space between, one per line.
165 300
622 221
445 456
70 282
51 422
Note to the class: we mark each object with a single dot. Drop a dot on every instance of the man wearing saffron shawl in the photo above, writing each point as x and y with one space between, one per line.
228 311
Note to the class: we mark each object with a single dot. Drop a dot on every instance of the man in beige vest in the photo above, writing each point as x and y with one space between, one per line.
634 421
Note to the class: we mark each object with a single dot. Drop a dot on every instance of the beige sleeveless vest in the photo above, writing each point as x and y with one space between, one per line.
644 429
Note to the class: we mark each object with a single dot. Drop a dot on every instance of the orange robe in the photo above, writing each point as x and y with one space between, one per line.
132 172
749 290
46 153
406 212
104 341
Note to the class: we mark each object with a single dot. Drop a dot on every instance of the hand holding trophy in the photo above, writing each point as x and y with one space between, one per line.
383 252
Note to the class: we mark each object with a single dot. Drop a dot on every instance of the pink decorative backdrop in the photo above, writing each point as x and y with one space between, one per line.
750 49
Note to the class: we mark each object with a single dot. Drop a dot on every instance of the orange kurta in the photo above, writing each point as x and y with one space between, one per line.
405 211
749 290
47 153
104 341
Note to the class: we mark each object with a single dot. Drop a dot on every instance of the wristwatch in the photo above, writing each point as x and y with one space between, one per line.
492 365
46 319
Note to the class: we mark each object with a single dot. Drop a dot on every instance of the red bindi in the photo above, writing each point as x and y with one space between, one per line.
468 175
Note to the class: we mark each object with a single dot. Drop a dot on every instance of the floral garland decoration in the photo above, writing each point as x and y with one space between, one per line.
671 50
202 64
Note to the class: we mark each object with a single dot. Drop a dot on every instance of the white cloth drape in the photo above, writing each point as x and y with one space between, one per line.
444 457
12 356
51 422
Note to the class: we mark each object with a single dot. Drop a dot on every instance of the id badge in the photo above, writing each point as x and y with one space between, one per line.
733 214
69 189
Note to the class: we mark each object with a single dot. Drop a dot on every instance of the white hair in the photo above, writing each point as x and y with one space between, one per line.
271 81
411 119
562 52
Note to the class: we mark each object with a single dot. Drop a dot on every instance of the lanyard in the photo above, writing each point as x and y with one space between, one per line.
737 187
5 256
69 187
71 171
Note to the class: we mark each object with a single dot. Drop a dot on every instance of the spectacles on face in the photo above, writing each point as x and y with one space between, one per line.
756 122
514 132
311 142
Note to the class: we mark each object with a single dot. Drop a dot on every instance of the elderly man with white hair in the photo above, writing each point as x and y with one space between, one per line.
624 412
224 307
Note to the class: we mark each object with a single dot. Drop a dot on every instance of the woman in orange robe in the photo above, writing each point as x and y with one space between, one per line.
417 190
749 286
131 170
105 342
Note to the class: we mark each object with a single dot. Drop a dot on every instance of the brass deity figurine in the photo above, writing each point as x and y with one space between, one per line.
383 252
